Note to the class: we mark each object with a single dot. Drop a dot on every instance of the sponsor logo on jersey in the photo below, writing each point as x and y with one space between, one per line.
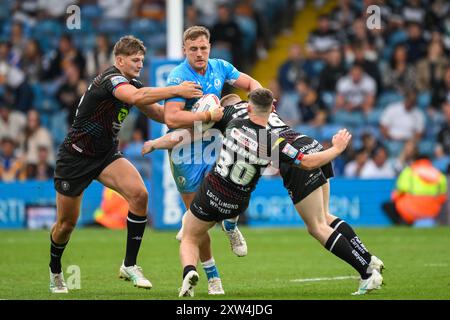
118 79
244 140
122 114
290 151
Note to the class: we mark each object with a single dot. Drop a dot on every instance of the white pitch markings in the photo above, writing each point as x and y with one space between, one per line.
324 279
436 265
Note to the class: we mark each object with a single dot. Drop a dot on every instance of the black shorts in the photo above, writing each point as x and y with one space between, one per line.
210 204
300 182
74 173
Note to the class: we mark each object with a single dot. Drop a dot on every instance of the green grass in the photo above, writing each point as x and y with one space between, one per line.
417 261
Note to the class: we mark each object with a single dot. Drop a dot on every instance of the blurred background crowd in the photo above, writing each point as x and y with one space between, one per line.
390 86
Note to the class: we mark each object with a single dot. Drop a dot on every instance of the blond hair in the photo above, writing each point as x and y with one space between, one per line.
195 32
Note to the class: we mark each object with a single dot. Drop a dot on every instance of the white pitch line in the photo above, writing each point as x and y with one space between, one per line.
436 265
324 279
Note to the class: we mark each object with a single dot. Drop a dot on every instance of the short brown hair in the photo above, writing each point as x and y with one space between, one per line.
129 45
262 99
194 32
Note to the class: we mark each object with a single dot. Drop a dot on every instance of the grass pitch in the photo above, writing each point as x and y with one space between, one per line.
282 264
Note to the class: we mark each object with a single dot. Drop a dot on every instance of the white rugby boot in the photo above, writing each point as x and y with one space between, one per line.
237 241
215 286
134 274
57 283
189 282
372 283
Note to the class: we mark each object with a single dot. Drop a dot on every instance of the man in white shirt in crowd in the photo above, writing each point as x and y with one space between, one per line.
402 121
356 91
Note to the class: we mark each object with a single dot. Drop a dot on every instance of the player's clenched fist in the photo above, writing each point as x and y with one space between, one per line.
341 139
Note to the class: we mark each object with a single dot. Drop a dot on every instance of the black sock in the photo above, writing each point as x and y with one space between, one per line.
136 227
187 269
347 231
339 246
56 252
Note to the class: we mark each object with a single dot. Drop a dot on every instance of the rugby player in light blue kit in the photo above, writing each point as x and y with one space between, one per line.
189 169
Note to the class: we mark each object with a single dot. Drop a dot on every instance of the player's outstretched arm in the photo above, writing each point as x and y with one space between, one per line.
169 140
316 160
150 95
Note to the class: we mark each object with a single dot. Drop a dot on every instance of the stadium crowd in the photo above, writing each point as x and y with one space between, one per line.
390 86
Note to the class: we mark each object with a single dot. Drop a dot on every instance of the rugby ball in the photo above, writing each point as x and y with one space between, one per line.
205 103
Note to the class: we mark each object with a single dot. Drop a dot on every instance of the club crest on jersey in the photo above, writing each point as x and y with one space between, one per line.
122 114
217 84
244 140
118 79
290 151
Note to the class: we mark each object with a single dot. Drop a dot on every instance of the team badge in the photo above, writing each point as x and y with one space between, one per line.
181 180
217 84
117 80
65 185
290 151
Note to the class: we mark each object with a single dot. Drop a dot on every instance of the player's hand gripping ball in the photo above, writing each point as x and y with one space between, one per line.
209 102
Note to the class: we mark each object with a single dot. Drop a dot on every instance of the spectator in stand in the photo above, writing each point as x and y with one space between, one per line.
226 34
402 121
358 55
416 45
66 54
436 14
343 16
115 9
13 79
292 69
430 70
356 91
31 61
151 9
12 123
443 137
191 17
334 70
69 93
441 92
414 11
42 170
35 136
353 168
322 39
399 74
369 142
55 9
378 166
359 34
100 58
312 111
18 43
12 168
